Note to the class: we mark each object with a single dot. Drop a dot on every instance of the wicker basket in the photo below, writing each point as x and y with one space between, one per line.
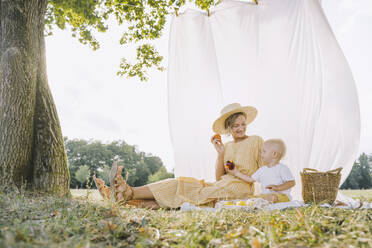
320 187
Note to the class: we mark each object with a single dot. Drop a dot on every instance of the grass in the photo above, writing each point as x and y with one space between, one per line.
29 220
361 194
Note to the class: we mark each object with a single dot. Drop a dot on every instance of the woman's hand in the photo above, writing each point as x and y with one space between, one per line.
234 171
218 145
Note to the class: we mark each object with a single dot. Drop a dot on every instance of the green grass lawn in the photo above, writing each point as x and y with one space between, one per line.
361 194
86 221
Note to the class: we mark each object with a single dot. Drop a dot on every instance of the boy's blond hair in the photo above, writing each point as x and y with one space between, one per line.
279 146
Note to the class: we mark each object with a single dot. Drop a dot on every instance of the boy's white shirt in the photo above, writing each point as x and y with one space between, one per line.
275 175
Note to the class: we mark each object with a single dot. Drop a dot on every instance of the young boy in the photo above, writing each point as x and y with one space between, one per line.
276 179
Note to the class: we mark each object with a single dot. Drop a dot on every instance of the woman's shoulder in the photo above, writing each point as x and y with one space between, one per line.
256 139
252 141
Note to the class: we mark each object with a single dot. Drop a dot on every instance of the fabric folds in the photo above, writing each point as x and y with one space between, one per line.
281 57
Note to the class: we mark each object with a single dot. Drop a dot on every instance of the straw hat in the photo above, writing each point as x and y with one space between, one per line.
219 124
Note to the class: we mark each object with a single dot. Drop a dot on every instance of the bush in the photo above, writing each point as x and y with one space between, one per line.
161 174
82 174
104 174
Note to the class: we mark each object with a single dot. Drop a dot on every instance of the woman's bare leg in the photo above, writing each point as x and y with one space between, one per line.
142 196
149 204
142 192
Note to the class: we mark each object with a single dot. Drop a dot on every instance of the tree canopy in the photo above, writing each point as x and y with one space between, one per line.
82 174
32 150
161 174
360 176
143 21
98 157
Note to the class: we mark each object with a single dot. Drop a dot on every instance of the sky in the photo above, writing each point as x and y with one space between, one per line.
94 103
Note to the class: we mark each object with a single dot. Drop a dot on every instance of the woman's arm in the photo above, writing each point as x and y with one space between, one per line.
220 168
220 148
281 187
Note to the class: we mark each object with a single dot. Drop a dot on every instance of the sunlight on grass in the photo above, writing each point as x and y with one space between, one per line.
92 194
44 221
364 194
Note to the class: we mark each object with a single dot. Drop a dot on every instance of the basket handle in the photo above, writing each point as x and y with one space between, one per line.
309 169
338 170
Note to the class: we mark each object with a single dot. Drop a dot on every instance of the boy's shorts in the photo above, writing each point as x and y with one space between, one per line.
281 197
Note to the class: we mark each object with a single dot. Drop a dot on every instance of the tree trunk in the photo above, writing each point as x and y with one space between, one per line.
32 152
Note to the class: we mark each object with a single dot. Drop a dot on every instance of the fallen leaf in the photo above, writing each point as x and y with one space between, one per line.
54 214
109 226
255 243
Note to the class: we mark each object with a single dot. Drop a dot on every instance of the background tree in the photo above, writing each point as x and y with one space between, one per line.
104 174
365 171
154 163
31 143
360 175
161 174
82 175
98 157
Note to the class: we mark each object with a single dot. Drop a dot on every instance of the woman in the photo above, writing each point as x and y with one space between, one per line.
244 151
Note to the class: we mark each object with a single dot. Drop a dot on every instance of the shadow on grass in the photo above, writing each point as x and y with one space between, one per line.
31 220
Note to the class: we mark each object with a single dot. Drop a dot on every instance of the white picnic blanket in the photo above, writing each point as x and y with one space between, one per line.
261 204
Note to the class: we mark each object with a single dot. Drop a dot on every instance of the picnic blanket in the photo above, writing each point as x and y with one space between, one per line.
261 204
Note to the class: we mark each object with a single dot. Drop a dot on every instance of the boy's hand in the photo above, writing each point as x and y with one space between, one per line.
272 187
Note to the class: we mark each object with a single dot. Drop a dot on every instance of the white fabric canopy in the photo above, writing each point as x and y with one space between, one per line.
281 57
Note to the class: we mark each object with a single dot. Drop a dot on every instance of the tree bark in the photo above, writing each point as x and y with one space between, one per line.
31 144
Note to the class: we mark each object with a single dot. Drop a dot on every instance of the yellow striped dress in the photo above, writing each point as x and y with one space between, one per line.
245 154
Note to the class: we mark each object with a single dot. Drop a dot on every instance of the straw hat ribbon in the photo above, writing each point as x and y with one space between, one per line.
219 124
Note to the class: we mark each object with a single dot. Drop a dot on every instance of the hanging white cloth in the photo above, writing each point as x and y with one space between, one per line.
279 56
